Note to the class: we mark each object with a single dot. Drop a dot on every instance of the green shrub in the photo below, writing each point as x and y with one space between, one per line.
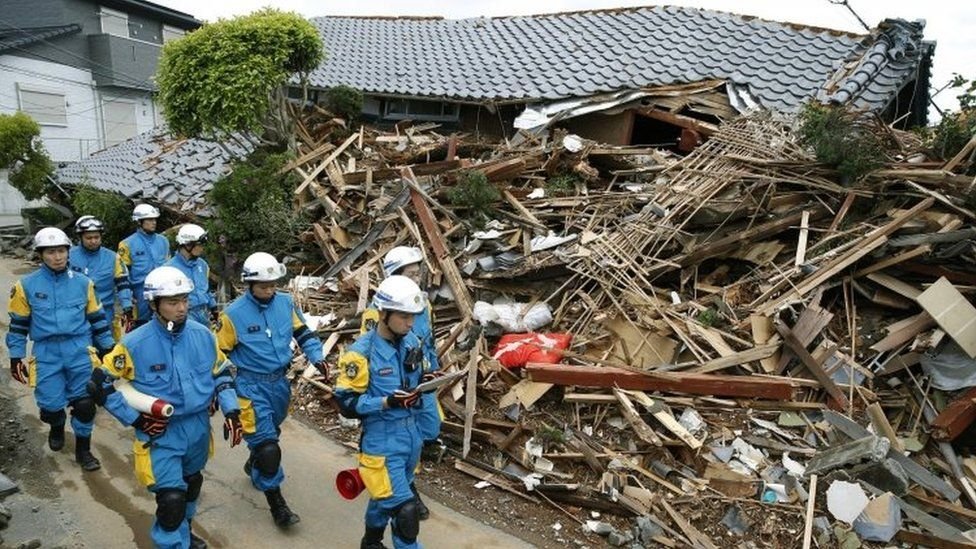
841 140
563 184
345 101
476 194
23 154
112 209
957 127
253 207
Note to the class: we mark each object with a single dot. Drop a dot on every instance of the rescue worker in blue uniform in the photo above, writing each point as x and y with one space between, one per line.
141 252
59 311
255 331
103 267
190 239
377 379
178 362
406 261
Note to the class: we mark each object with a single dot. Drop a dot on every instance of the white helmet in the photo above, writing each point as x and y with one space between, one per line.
399 293
262 267
51 237
400 257
166 282
190 233
89 224
144 211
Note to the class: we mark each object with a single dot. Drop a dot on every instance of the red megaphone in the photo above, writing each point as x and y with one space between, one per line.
349 483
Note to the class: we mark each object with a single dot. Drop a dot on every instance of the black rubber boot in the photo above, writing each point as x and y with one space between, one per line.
55 439
283 517
248 465
196 542
84 456
422 509
373 539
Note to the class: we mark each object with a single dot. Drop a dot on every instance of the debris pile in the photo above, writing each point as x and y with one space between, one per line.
729 343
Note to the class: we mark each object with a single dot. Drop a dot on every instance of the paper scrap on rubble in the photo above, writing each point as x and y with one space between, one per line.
531 480
539 192
557 527
573 143
533 448
482 484
544 465
794 467
748 454
487 235
691 420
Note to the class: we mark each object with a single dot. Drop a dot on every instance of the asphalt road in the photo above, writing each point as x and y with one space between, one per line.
109 509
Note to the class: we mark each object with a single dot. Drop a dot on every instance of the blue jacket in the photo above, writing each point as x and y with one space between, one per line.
142 253
185 369
48 306
106 270
257 336
372 368
198 271
422 327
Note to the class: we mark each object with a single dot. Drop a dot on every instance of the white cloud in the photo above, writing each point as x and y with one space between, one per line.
949 22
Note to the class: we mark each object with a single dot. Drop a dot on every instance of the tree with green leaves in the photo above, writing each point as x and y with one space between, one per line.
22 153
231 77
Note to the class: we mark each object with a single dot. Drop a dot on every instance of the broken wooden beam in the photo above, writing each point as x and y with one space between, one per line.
673 382
812 365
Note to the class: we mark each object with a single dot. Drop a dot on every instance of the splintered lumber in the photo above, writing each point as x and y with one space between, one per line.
904 331
915 471
921 539
812 321
953 312
462 298
956 417
812 365
471 395
495 480
870 242
643 430
324 164
383 174
673 382
374 233
695 536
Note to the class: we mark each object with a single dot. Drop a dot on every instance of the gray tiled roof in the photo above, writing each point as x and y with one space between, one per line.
153 166
549 57
16 38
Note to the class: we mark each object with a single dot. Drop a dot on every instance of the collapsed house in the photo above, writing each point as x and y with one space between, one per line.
619 76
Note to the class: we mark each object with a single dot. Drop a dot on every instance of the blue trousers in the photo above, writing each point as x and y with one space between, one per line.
142 310
264 403
62 369
182 450
390 453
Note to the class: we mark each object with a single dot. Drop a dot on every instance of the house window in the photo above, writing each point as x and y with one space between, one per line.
119 118
172 33
417 109
114 22
45 107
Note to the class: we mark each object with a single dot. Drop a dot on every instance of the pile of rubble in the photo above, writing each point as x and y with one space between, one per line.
667 337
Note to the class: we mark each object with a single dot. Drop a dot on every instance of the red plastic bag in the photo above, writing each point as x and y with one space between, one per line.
517 350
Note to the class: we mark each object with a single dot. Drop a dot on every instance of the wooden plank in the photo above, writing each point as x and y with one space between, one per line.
763 333
882 426
697 539
738 358
811 504
681 121
641 428
927 540
664 417
674 382
905 332
386 174
495 480
956 417
953 313
812 321
801 244
811 363
895 285
471 395
842 212
525 213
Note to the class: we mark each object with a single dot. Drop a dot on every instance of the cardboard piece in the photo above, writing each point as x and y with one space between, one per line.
952 312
